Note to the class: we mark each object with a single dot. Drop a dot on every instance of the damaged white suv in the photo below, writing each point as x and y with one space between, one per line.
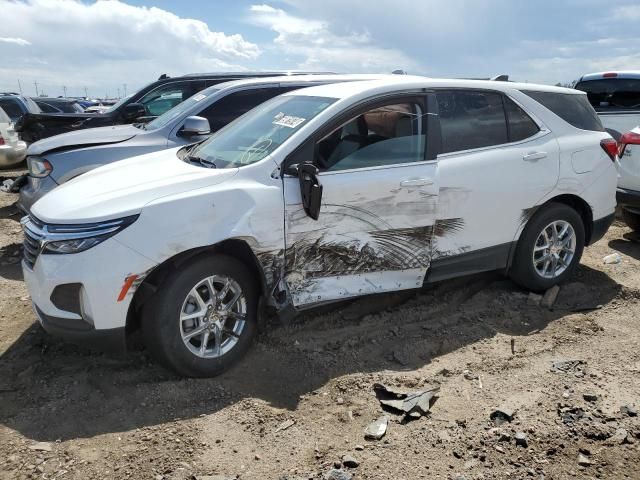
319 195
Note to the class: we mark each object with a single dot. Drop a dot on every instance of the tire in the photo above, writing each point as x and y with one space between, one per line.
527 264
164 329
631 219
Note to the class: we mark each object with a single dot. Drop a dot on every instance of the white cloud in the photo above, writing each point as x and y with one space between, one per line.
15 40
106 43
310 44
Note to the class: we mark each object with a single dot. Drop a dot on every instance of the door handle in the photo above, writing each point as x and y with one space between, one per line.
533 156
416 182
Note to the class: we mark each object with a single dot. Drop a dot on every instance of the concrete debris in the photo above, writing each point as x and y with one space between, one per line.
412 404
567 366
584 461
550 297
521 439
502 415
337 474
41 447
284 425
629 410
612 259
350 461
376 430
570 414
6 186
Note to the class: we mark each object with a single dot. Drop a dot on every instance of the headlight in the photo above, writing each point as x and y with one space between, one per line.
38 167
60 239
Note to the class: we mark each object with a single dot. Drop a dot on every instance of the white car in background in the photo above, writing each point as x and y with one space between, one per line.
12 149
315 196
616 98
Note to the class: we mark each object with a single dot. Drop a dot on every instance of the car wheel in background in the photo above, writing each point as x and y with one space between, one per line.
631 219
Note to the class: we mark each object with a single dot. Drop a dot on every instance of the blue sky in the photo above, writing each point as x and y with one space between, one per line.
103 45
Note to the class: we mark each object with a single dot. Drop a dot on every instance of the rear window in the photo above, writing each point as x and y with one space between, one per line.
612 93
572 108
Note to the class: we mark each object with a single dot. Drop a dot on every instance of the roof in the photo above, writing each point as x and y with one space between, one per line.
393 83
246 74
618 74
256 81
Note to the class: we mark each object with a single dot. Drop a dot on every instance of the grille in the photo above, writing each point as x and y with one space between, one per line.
33 233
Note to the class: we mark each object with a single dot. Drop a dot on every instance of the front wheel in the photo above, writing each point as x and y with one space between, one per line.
549 248
203 318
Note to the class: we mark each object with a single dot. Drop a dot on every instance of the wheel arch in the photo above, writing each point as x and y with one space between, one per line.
237 248
573 201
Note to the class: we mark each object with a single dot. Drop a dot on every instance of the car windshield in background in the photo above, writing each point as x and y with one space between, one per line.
612 93
118 103
179 109
259 132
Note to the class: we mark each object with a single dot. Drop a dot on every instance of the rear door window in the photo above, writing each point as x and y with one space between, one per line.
228 108
521 125
572 108
612 93
471 119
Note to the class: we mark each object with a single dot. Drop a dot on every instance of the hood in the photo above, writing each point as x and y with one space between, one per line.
124 188
84 138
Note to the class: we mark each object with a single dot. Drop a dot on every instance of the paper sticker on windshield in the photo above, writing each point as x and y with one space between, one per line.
199 97
287 120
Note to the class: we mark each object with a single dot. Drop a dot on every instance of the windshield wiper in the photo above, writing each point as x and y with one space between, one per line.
202 161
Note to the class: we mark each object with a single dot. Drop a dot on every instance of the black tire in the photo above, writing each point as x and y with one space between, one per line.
523 271
631 219
161 324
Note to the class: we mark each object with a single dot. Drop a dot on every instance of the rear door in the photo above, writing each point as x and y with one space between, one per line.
495 164
380 193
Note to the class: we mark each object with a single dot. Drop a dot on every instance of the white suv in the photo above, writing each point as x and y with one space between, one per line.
616 98
319 195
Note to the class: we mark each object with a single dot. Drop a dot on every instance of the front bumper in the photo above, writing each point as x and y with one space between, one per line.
84 334
10 155
99 275
34 190
628 199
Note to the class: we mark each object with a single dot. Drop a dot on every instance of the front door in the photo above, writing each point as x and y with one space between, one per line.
379 200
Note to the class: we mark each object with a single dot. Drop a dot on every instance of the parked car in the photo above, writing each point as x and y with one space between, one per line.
12 149
56 160
149 102
15 106
315 196
58 105
616 98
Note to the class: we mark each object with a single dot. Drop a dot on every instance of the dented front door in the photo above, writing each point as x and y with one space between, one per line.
373 233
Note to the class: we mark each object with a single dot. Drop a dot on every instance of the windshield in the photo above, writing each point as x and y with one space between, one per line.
611 93
179 109
118 103
259 132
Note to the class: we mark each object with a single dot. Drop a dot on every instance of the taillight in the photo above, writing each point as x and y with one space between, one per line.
1 140
610 146
629 138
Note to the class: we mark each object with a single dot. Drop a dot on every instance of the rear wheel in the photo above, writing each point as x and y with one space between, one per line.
549 248
631 219
204 317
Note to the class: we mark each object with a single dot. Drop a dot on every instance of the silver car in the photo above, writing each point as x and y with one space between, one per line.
56 160
12 149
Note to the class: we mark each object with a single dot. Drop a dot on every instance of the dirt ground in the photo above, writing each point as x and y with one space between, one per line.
303 397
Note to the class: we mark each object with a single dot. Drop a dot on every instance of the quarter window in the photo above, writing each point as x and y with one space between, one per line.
521 126
573 108
385 135
470 119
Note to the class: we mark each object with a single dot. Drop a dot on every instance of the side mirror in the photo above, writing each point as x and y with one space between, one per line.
195 126
133 111
310 189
